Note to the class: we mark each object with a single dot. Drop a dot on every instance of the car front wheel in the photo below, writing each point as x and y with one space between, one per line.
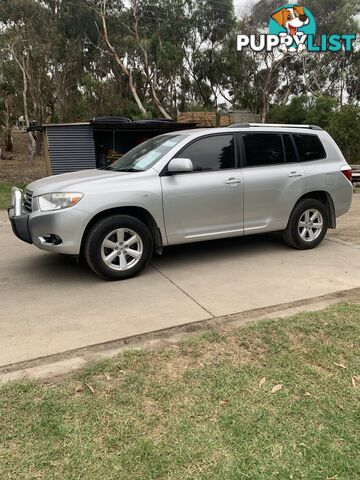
307 226
118 247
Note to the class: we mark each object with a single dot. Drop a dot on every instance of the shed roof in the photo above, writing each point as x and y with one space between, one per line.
121 123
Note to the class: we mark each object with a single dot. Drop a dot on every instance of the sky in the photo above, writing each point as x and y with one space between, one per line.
240 5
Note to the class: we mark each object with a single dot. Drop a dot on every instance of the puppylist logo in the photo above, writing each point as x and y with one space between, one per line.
292 28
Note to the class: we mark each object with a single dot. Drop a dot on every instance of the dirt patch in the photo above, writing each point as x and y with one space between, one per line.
348 226
4 217
20 170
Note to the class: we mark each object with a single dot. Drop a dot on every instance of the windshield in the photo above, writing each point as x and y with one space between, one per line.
145 155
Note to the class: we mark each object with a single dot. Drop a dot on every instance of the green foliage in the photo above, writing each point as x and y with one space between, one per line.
295 112
321 111
305 110
185 49
344 126
5 194
342 123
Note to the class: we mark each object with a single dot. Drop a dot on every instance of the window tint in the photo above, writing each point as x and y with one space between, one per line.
309 147
211 153
290 154
263 149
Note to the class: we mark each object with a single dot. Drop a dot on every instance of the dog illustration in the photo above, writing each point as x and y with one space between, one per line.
291 18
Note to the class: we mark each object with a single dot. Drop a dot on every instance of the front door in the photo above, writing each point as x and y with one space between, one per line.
208 202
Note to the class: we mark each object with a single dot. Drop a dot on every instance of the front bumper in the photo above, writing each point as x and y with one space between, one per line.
19 220
59 231
20 225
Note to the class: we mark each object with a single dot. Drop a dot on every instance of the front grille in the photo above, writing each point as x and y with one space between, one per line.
27 201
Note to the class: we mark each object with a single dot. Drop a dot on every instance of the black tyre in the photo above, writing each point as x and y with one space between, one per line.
118 247
307 225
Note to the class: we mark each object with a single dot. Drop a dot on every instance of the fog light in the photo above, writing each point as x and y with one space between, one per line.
52 239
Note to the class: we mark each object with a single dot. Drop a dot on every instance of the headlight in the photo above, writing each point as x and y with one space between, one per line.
58 201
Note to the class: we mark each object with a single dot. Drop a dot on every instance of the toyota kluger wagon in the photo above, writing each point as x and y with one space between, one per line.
189 186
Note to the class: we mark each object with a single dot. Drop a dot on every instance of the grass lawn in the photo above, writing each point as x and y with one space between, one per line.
202 409
5 194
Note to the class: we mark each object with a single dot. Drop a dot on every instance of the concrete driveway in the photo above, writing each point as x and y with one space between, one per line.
50 304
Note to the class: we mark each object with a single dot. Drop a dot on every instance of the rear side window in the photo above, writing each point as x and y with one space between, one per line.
211 153
263 149
309 147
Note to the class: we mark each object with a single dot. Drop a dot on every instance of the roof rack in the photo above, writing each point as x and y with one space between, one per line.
273 125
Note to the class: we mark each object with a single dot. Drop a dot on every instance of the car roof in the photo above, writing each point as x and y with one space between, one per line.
257 128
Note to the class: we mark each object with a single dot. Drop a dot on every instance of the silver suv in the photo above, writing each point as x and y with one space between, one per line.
189 186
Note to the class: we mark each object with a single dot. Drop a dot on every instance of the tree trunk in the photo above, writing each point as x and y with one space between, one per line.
59 96
152 79
157 101
32 143
133 90
39 143
7 136
265 97
118 60
9 144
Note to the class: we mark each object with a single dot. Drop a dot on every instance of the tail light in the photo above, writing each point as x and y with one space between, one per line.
347 172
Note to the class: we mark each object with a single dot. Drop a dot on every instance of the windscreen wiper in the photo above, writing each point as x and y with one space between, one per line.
128 170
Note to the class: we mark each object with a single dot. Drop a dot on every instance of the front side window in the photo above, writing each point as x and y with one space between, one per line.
263 149
145 155
309 147
211 153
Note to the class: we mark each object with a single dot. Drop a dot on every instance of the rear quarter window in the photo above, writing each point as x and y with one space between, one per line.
309 147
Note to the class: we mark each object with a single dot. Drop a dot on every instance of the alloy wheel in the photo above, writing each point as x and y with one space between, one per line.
310 225
122 249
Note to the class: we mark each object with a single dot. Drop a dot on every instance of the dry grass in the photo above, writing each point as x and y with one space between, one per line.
20 170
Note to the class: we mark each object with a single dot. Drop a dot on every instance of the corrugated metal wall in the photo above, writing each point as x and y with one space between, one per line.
71 148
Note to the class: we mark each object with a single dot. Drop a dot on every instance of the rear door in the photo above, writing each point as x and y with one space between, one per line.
321 170
273 180
208 202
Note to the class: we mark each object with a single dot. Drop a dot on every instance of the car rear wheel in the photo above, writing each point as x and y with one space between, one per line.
308 225
118 247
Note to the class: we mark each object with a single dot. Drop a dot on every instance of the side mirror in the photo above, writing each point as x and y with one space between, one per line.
180 165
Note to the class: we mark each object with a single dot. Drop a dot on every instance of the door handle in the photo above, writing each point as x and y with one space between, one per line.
233 181
295 174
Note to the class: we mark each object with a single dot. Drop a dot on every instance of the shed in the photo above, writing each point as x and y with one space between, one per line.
79 146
